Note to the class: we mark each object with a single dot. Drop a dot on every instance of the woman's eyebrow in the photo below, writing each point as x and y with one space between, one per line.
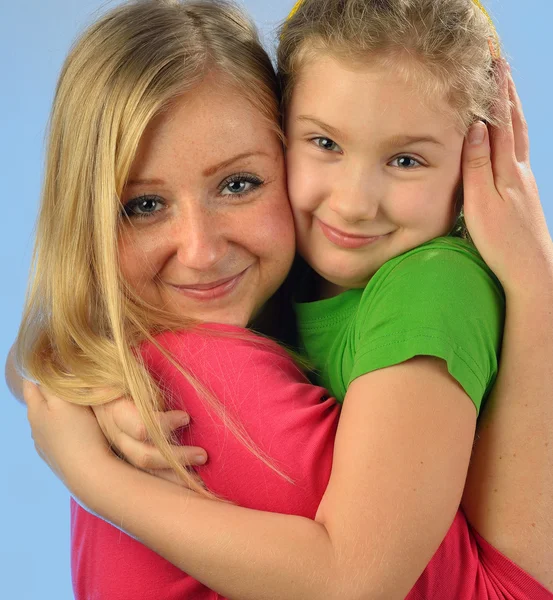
227 163
153 182
206 173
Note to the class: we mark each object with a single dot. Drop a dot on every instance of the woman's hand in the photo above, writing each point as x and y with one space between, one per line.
501 200
66 436
123 427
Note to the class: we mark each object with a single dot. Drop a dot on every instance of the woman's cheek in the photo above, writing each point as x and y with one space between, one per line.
278 226
139 254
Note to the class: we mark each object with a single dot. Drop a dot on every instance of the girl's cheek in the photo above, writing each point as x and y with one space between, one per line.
304 186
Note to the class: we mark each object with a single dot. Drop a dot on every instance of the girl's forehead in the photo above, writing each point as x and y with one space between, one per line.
326 79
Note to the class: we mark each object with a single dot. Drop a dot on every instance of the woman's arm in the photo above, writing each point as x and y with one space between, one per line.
508 496
13 378
400 462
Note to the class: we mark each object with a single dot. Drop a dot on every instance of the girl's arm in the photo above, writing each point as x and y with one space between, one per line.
509 492
399 467
123 427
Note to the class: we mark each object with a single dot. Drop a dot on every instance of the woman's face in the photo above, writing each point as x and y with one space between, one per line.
209 233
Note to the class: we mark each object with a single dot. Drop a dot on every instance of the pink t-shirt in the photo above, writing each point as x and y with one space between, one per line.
294 423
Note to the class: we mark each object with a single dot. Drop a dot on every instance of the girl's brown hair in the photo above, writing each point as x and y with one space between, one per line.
447 40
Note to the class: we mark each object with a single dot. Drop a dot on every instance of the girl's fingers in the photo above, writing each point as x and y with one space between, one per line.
126 417
147 457
520 127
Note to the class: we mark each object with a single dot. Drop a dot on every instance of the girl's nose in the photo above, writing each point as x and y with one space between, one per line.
357 200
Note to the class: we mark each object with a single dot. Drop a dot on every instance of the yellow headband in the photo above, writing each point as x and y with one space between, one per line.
294 10
494 44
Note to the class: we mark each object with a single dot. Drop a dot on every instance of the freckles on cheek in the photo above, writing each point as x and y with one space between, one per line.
278 227
134 260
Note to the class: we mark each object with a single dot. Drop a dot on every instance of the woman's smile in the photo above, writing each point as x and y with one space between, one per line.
213 290
207 230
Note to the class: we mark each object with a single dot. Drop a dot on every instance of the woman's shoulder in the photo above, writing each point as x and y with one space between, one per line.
213 352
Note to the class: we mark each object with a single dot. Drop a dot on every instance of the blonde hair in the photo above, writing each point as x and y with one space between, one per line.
450 41
82 325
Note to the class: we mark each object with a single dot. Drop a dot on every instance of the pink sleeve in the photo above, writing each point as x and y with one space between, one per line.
467 567
254 383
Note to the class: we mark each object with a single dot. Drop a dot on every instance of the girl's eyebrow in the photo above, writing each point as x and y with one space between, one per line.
331 130
408 140
396 140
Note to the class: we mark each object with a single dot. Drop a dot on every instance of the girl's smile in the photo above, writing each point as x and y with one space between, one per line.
373 167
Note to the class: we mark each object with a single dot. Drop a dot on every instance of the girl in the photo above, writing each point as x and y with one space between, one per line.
271 555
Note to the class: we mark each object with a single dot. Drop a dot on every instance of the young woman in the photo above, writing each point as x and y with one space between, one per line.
200 253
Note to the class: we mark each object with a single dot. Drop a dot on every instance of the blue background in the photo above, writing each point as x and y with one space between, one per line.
34 506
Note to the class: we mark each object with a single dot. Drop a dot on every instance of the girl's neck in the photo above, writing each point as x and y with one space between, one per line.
325 289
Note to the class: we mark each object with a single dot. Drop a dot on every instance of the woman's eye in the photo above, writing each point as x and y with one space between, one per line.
143 206
327 144
239 185
405 162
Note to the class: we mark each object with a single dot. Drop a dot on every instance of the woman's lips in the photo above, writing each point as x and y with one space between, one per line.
347 240
212 290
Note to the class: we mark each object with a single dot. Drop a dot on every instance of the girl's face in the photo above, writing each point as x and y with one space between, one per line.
373 168
209 233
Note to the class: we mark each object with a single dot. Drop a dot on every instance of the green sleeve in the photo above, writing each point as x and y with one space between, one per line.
441 302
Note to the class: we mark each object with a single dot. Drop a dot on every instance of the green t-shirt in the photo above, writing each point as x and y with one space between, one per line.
439 299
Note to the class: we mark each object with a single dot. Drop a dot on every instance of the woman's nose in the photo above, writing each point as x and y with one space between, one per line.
201 240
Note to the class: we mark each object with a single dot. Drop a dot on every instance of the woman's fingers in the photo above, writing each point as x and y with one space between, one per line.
520 127
478 177
502 140
147 457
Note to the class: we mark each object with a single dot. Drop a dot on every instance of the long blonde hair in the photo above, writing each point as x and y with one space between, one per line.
453 42
82 325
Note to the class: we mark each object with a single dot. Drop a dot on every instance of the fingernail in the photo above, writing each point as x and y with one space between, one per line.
185 420
477 133
200 459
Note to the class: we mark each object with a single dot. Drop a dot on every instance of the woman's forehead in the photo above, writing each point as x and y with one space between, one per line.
210 122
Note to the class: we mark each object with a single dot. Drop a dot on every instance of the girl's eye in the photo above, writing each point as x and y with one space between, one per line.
405 162
144 206
327 144
240 184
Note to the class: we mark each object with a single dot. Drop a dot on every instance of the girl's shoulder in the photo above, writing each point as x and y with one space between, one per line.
444 265
442 251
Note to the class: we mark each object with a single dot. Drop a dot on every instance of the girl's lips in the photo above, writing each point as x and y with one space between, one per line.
213 290
346 240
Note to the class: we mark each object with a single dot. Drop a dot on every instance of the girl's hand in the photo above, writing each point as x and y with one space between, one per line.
127 435
67 437
501 200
